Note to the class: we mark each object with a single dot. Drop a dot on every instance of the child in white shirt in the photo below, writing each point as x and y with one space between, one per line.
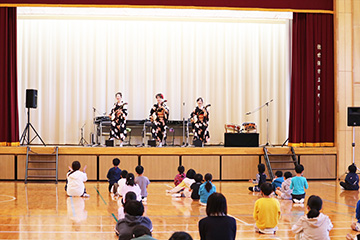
314 225
131 186
75 181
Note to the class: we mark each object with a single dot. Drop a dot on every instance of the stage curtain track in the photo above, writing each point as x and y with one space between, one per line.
312 81
78 63
9 123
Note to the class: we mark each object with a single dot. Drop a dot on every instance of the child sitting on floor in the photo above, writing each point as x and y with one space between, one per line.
266 211
179 177
351 179
298 185
185 184
142 181
278 180
76 179
195 186
206 189
285 192
131 186
313 225
113 174
260 178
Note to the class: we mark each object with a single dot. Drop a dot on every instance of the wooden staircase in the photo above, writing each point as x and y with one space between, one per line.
283 159
44 163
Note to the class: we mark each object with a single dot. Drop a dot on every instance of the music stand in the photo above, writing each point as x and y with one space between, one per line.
25 136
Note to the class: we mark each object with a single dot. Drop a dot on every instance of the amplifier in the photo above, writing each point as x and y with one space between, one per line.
241 140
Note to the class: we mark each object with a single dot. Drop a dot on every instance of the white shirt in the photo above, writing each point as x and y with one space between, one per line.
313 228
75 185
121 183
136 189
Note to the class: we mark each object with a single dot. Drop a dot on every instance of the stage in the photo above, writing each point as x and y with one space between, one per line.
161 164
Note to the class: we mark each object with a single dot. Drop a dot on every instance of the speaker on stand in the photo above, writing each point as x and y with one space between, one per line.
31 102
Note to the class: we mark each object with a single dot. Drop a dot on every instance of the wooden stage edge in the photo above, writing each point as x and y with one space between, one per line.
161 163
177 151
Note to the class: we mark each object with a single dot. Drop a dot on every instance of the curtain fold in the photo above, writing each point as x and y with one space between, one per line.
9 124
312 81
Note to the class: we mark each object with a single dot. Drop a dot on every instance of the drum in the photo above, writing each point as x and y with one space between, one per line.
232 128
248 127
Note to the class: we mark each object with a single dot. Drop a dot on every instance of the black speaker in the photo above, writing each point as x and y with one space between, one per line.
152 143
198 143
241 140
31 98
109 143
354 116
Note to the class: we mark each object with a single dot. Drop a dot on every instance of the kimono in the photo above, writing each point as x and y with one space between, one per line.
118 121
159 119
200 124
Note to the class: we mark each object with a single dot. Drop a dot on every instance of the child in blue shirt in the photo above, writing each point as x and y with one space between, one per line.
260 178
356 225
351 179
114 173
298 185
278 180
206 189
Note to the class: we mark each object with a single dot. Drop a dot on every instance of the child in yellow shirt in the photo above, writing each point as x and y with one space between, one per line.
266 211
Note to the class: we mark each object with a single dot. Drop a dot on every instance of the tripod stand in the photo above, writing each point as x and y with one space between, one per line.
267 119
82 139
25 136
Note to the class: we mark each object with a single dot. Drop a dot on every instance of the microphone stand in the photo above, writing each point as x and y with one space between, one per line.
184 144
267 119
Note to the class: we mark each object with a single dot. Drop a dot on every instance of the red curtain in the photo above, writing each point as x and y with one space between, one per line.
312 81
9 123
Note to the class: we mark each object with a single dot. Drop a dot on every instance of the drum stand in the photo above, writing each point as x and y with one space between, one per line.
267 120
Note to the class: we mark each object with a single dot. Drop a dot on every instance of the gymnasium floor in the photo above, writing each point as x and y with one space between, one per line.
43 211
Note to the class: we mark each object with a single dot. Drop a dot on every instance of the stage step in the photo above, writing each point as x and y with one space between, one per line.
40 176
269 162
50 169
39 163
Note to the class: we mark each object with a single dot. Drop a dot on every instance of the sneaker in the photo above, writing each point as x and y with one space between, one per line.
296 201
176 195
160 144
86 195
301 200
251 189
144 199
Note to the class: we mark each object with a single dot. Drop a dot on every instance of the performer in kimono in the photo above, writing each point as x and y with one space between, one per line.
118 116
199 119
159 115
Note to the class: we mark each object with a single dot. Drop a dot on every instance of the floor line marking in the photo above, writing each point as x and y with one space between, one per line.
245 223
11 198
333 185
338 203
100 195
168 185
72 206
114 217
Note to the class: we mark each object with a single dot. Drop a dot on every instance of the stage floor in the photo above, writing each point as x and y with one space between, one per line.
43 211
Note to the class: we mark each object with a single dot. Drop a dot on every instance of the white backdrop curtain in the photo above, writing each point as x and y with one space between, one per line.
80 62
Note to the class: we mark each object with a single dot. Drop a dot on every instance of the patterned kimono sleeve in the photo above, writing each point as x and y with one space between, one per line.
125 113
168 112
112 109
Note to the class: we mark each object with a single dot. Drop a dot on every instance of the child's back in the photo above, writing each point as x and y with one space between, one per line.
266 211
181 176
206 189
351 179
114 173
142 181
76 186
298 185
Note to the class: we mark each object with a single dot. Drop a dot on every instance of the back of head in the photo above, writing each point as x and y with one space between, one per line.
116 162
216 205
287 175
130 196
181 169
279 173
198 177
139 170
266 188
134 208
352 168
315 204
130 179
190 173
180 236
140 230
299 168
261 168
124 173
75 165
208 185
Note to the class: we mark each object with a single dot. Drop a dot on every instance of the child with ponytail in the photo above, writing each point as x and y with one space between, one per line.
131 186
206 189
314 225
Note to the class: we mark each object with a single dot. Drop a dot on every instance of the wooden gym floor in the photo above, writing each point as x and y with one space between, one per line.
43 211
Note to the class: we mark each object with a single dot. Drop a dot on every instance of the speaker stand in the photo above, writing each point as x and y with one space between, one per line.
25 136
82 139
